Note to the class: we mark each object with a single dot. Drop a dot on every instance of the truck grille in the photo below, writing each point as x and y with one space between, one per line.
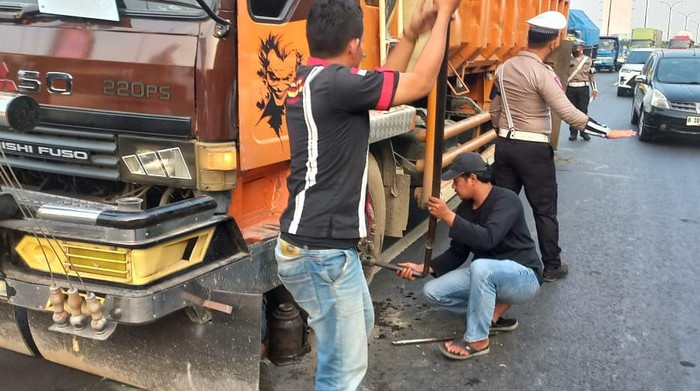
90 133
97 260
685 106
101 146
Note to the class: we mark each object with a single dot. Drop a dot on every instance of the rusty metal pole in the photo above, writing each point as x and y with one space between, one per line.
439 99
434 141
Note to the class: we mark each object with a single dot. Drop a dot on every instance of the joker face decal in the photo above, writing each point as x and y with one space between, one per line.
278 69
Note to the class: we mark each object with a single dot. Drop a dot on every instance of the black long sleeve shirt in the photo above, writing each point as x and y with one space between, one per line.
495 230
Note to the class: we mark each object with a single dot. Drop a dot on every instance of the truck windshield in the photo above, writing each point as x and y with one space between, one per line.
184 8
606 44
638 57
641 44
679 44
679 71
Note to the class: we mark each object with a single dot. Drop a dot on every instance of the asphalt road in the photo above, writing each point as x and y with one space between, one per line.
626 318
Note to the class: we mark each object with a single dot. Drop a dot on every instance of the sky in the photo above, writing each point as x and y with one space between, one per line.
657 15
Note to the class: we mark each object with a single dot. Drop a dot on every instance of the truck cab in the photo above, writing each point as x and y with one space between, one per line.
608 52
147 178
682 40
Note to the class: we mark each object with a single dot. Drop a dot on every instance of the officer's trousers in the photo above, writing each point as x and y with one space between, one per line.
579 97
529 164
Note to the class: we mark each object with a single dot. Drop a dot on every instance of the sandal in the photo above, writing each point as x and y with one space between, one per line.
461 343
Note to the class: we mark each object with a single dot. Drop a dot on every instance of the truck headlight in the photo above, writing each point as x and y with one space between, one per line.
157 162
659 100
187 164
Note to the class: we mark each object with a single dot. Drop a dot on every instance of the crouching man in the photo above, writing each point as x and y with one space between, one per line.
490 224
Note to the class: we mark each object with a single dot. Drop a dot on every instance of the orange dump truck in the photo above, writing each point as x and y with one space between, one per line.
144 153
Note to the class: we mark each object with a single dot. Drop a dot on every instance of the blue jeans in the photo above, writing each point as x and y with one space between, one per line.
330 286
477 288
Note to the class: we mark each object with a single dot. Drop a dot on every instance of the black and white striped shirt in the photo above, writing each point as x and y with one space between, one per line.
328 123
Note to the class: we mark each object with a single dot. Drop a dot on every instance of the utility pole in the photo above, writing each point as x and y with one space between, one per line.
607 30
646 11
670 12
685 27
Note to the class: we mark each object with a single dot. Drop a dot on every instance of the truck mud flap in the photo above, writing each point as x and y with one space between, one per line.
12 334
222 352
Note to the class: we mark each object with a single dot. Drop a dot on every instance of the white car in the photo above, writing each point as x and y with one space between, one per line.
631 68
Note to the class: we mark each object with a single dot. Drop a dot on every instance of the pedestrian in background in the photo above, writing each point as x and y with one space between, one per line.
581 87
328 123
524 91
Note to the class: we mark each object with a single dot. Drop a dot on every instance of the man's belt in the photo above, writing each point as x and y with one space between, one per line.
579 84
523 136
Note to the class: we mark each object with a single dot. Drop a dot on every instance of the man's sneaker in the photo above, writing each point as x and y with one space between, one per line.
554 273
503 324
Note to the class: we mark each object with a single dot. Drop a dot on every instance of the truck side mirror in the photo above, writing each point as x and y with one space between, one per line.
640 79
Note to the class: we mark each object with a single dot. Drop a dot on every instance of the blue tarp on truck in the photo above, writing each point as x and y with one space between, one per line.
584 27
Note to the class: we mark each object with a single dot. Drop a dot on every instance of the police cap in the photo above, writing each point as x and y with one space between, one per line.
548 23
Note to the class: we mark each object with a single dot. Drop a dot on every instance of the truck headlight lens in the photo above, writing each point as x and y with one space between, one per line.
151 164
162 163
174 163
157 162
659 100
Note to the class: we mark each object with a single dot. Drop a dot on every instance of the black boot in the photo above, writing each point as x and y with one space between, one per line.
572 134
585 136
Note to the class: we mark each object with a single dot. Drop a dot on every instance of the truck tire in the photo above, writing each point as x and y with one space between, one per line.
377 219
620 91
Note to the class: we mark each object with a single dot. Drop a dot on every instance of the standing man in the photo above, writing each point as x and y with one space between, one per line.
328 122
489 223
581 79
524 91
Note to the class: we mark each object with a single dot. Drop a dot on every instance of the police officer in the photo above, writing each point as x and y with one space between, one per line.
581 79
524 91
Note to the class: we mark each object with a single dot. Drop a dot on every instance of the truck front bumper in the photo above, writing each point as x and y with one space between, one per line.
76 242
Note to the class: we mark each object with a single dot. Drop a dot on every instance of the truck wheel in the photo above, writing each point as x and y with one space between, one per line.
620 91
377 216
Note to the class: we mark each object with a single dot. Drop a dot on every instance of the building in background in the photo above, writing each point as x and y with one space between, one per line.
620 24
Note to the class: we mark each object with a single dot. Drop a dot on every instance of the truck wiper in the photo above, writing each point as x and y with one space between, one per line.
174 2
224 27
15 12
